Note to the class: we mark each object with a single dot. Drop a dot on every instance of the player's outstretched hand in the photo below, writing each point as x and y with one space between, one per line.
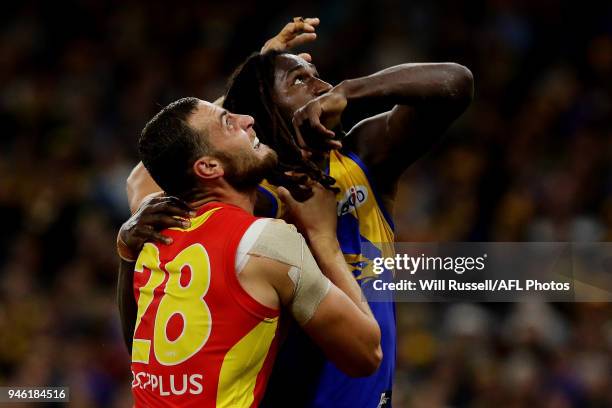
155 214
313 122
316 217
298 32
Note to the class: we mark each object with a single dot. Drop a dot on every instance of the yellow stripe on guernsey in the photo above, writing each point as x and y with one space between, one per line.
358 201
355 261
242 364
197 222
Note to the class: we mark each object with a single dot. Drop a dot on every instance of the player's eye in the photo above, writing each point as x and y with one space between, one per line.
227 122
298 81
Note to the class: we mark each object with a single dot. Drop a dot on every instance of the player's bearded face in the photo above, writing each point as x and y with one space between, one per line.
244 170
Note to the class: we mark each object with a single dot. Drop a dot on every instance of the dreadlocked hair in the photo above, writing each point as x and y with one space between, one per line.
249 92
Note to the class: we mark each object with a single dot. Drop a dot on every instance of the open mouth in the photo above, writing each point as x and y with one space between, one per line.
256 143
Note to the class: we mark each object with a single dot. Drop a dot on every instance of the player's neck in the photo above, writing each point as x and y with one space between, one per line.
242 199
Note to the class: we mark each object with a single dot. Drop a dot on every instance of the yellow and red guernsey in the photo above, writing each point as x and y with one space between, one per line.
200 339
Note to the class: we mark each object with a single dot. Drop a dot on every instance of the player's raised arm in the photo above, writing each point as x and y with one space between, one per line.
428 97
295 33
343 327
343 324
298 32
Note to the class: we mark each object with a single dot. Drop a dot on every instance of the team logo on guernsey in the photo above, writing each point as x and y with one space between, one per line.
385 400
353 199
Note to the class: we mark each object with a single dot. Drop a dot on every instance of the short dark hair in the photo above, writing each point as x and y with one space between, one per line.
168 147
250 91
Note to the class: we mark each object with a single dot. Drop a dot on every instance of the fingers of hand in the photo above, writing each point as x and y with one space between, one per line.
150 202
157 194
299 193
301 39
171 206
318 186
125 234
286 197
297 177
309 118
314 119
162 221
308 20
322 129
180 203
299 31
298 26
313 21
158 237
321 190
334 144
305 56
299 140
147 233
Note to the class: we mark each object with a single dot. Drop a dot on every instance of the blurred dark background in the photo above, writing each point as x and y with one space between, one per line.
531 160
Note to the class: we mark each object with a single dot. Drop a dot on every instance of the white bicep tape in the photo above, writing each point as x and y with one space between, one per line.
281 241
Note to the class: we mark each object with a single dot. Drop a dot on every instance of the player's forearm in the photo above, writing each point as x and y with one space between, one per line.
331 261
126 302
412 84
139 186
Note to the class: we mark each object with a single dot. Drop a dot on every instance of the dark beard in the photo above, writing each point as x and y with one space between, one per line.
245 173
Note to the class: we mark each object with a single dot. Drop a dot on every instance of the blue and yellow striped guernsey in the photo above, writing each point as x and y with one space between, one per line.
365 231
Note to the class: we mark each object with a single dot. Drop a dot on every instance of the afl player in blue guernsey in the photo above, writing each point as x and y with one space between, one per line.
297 113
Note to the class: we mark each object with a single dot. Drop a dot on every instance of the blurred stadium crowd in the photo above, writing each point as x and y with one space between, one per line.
530 160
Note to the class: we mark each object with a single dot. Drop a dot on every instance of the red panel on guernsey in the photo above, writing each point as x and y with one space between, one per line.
201 340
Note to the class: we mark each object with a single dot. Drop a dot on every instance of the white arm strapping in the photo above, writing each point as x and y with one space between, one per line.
281 241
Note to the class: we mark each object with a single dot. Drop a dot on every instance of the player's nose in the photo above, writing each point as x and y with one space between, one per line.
321 87
245 121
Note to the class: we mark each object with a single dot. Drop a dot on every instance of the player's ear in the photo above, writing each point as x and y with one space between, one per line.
208 168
